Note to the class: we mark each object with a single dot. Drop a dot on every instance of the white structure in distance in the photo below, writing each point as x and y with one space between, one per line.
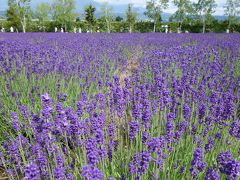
179 30
79 30
165 27
2 30
227 31
56 29
62 30
11 29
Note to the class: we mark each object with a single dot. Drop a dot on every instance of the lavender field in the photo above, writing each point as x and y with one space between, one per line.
119 106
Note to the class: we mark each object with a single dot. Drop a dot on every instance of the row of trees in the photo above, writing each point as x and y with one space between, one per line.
63 13
190 11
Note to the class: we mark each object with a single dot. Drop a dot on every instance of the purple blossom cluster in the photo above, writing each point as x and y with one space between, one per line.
228 165
198 163
140 163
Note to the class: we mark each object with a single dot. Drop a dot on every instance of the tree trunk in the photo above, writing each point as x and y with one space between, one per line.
23 27
130 28
181 26
65 28
23 23
108 26
154 26
204 27
229 22
204 24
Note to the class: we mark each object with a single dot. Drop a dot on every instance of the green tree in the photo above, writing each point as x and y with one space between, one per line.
90 17
118 19
12 16
107 15
184 8
232 11
205 9
19 12
131 17
63 12
154 9
42 13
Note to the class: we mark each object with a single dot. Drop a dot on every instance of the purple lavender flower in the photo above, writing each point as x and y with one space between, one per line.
140 163
145 137
218 135
32 172
182 171
110 152
90 172
47 107
147 115
210 144
59 173
224 158
137 110
170 128
171 117
92 152
119 101
69 176
111 131
40 155
197 163
234 168
24 110
80 108
159 161
16 158
134 129
202 111
100 136
187 111
228 165
93 157
181 130
123 177
16 124
235 129
156 144
212 175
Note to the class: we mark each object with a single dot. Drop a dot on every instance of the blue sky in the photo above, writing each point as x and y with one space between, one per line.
115 3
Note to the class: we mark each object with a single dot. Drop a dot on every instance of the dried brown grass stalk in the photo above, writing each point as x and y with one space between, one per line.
133 64
3 174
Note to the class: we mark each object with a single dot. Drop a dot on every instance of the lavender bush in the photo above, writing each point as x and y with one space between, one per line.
120 106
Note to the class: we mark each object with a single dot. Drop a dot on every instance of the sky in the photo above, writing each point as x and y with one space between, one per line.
137 3
171 9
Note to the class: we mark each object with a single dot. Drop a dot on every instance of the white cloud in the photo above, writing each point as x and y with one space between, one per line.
138 3
171 9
